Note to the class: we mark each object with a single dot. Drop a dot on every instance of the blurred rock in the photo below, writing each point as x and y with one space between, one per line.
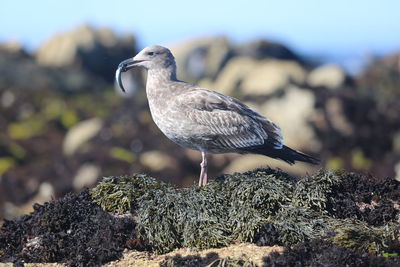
247 162
86 176
80 134
13 47
293 113
201 58
246 76
268 76
397 171
380 81
337 117
232 74
20 71
157 161
98 50
263 49
330 76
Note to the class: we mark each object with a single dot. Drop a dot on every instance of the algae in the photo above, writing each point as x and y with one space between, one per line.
264 206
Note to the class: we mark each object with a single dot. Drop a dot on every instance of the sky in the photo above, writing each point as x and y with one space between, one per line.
336 30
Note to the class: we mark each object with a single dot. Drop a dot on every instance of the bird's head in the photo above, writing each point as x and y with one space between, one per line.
150 58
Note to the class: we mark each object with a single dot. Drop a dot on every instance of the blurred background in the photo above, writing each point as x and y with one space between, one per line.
327 73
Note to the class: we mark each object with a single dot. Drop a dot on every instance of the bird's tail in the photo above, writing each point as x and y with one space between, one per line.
285 153
291 156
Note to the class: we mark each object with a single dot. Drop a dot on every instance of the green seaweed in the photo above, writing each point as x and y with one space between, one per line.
237 207
315 191
119 193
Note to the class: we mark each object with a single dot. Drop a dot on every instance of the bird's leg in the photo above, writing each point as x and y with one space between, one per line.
203 172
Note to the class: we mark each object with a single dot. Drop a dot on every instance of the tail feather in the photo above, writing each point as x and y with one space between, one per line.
290 155
285 153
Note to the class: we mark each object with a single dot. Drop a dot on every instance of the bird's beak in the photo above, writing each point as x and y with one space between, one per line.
123 67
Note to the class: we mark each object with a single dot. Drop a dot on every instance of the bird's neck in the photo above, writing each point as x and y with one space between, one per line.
162 74
158 80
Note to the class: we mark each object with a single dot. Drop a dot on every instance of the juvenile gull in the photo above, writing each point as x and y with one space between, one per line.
202 119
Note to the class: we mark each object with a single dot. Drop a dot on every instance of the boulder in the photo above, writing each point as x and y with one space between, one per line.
263 49
98 50
232 74
330 76
19 70
258 77
200 58
268 76
334 107
293 112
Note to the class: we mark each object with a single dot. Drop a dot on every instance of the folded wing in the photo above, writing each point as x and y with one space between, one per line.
227 123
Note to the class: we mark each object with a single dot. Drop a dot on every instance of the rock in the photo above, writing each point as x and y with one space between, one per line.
98 50
200 58
330 76
157 161
337 117
32 76
233 73
396 142
80 134
293 112
258 77
244 163
267 76
86 176
262 49
397 171
13 47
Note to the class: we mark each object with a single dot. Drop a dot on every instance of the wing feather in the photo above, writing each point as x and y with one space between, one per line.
226 121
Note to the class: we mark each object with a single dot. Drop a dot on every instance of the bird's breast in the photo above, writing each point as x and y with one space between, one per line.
177 127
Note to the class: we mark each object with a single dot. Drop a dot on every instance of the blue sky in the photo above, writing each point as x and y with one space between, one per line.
335 29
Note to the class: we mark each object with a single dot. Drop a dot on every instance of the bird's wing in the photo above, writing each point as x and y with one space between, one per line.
227 121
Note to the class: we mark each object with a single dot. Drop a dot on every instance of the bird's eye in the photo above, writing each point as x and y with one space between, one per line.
150 53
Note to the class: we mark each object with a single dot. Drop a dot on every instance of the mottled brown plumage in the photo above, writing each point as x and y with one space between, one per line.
202 119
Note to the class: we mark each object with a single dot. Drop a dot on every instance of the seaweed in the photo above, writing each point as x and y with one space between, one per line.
316 192
264 206
120 193
73 230
210 260
379 197
318 252
231 209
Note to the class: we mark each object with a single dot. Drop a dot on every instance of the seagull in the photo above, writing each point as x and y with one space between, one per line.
202 119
